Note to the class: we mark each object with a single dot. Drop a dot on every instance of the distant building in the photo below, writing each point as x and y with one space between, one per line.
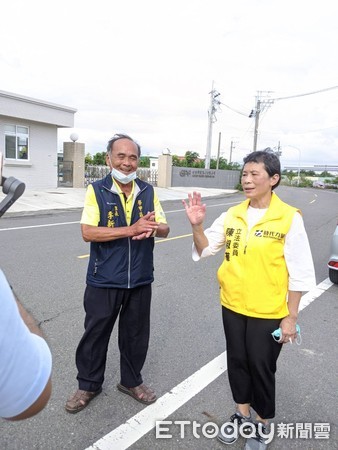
28 138
153 162
315 168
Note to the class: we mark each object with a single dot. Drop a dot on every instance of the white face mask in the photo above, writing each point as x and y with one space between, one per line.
123 178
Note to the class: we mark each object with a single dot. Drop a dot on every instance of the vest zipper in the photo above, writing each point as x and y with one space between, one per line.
129 239
129 261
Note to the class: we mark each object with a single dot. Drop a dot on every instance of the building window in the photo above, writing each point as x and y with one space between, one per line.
16 142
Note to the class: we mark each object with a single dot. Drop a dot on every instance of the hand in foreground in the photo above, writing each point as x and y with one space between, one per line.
195 209
145 226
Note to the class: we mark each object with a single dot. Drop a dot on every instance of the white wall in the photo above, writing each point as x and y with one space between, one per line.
40 170
32 109
43 119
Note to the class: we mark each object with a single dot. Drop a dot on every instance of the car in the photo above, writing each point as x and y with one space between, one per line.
319 184
333 260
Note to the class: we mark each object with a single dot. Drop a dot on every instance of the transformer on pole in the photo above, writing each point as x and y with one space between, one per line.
261 105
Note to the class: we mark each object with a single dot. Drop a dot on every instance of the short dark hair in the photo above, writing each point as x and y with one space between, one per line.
269 159
119 136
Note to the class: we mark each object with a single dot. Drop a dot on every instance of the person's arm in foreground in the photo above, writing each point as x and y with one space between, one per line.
25 385
196 214
44 397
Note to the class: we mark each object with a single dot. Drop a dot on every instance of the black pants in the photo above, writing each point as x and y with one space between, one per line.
252 360
103 306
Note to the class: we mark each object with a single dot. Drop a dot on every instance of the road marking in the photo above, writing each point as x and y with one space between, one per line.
39 226
71 223
316 292
137 426
312 201
158 241
208 206
172 238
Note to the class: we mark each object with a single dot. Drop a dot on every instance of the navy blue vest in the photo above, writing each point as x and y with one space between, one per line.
121 263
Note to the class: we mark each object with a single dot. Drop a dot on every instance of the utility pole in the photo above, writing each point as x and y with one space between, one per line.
258 110
279 150
232 146
219 149
214 103
261 105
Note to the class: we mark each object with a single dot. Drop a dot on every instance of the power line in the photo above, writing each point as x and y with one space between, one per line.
267 103
283 98
307 93
235 110
261 107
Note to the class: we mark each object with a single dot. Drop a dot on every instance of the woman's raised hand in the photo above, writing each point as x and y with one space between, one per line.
195 209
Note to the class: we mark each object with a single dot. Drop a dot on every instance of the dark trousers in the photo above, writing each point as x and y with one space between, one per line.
102 307
252 357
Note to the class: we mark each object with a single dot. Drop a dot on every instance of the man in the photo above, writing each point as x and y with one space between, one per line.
121 217
25 360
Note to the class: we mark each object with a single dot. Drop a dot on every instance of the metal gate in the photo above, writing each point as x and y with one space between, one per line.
93 173
149 175
65 173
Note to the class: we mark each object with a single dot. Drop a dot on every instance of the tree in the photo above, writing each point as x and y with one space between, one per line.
290 175
177 161
144 161
88 159
325 174
308 173
234 166
224 165
99 159
191 157
199 164
213 163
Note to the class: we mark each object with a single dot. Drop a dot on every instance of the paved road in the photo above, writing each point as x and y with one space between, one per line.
45 260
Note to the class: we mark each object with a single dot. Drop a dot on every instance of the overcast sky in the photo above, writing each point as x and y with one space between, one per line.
146 68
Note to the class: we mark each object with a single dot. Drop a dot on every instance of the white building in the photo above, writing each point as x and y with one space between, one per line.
153 162
28 138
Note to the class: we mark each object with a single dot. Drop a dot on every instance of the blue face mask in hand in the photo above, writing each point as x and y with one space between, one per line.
277 335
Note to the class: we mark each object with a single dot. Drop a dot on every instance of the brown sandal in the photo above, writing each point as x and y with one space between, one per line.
141 393
80 400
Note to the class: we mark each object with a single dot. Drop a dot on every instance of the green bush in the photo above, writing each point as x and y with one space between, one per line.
304 182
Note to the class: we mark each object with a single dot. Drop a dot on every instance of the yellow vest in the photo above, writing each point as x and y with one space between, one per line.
253 276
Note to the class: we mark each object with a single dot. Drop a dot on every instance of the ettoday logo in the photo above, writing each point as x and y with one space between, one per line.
166 429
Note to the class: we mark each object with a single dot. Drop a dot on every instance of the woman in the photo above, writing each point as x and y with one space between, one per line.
267 265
